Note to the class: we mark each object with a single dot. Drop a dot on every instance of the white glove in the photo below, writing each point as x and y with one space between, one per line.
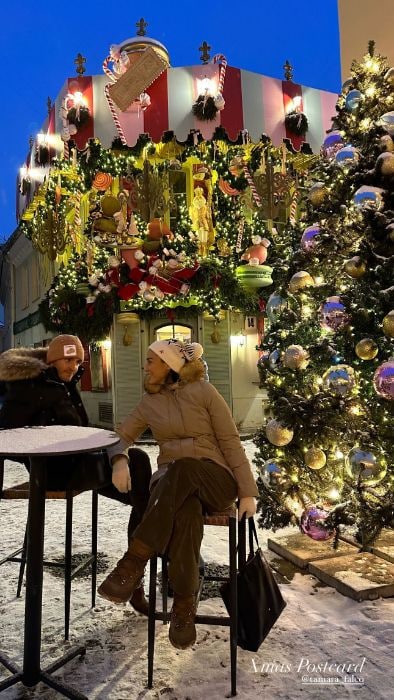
247 505
121 475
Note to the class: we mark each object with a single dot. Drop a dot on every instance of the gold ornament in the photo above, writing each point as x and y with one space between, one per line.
388 325
277 433
366 349
386 143
51 234
317 193
215 337
223 247
315 458
300 280
355 267
385 163
296 357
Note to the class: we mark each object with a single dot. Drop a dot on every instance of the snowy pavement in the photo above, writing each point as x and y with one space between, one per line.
318 626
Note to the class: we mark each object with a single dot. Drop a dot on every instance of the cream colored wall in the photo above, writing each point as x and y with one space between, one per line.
360 21
248 399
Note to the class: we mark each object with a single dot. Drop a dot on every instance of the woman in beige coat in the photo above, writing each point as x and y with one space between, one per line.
202 467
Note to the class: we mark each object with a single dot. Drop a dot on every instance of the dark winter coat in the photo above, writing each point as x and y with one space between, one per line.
33 394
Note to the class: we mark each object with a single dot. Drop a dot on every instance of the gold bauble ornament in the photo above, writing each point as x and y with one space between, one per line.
315 458
388 325
296 357
385 163
317 193
366 349
300 280
277 433
386 143
355 267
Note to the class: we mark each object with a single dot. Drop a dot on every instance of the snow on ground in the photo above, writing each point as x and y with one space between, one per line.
318 626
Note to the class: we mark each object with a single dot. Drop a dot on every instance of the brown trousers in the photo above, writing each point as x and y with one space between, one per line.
173 520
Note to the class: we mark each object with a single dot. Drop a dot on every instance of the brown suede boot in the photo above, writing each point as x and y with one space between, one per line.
139 602
121 583
182 632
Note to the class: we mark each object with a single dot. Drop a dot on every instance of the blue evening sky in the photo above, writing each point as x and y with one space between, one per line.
40 40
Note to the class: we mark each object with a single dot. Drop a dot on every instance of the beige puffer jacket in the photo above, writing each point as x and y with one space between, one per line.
190 420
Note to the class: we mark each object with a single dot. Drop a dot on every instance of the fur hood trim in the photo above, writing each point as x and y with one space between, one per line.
22 363
192 371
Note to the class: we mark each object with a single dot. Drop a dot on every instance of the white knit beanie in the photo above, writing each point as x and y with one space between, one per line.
175 354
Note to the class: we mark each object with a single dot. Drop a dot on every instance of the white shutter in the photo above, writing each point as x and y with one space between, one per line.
126 369
217 355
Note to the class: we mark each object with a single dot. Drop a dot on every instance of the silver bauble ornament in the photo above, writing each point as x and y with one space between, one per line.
363 465
352 100
272 473
296 357
368 197
387 122
275 306
277 433
274 360
347 156
331 144
339 379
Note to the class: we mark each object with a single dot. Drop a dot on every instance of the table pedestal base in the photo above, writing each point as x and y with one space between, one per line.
44 676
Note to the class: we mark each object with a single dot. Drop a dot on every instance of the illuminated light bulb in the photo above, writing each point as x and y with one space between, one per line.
338 454
319 280
370 91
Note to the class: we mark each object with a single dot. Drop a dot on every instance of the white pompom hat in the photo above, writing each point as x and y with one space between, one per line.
175 354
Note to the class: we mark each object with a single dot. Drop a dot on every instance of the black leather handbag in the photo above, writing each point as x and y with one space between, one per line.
260 601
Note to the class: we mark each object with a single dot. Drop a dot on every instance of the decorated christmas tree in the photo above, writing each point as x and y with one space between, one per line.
326 453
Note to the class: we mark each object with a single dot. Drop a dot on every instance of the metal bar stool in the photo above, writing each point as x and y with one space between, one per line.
21 491
226 518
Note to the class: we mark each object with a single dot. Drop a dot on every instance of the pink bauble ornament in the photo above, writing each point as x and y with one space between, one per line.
312 523
333 315
383 380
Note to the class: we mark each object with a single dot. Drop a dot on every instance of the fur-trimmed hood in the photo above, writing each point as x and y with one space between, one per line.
22 363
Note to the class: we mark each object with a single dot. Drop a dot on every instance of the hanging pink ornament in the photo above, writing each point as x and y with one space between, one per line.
313 523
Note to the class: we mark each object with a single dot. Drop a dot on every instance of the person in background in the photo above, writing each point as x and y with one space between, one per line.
39 387
202 468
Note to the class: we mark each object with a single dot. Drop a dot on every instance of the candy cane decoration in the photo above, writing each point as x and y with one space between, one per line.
108 72
219 58
114 115
251 184
293 208
238 246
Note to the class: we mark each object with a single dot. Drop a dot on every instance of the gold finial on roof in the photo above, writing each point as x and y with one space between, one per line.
288 68
141 26
204 48
80 64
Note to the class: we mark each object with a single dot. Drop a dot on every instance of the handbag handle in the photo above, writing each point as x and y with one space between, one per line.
252 535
